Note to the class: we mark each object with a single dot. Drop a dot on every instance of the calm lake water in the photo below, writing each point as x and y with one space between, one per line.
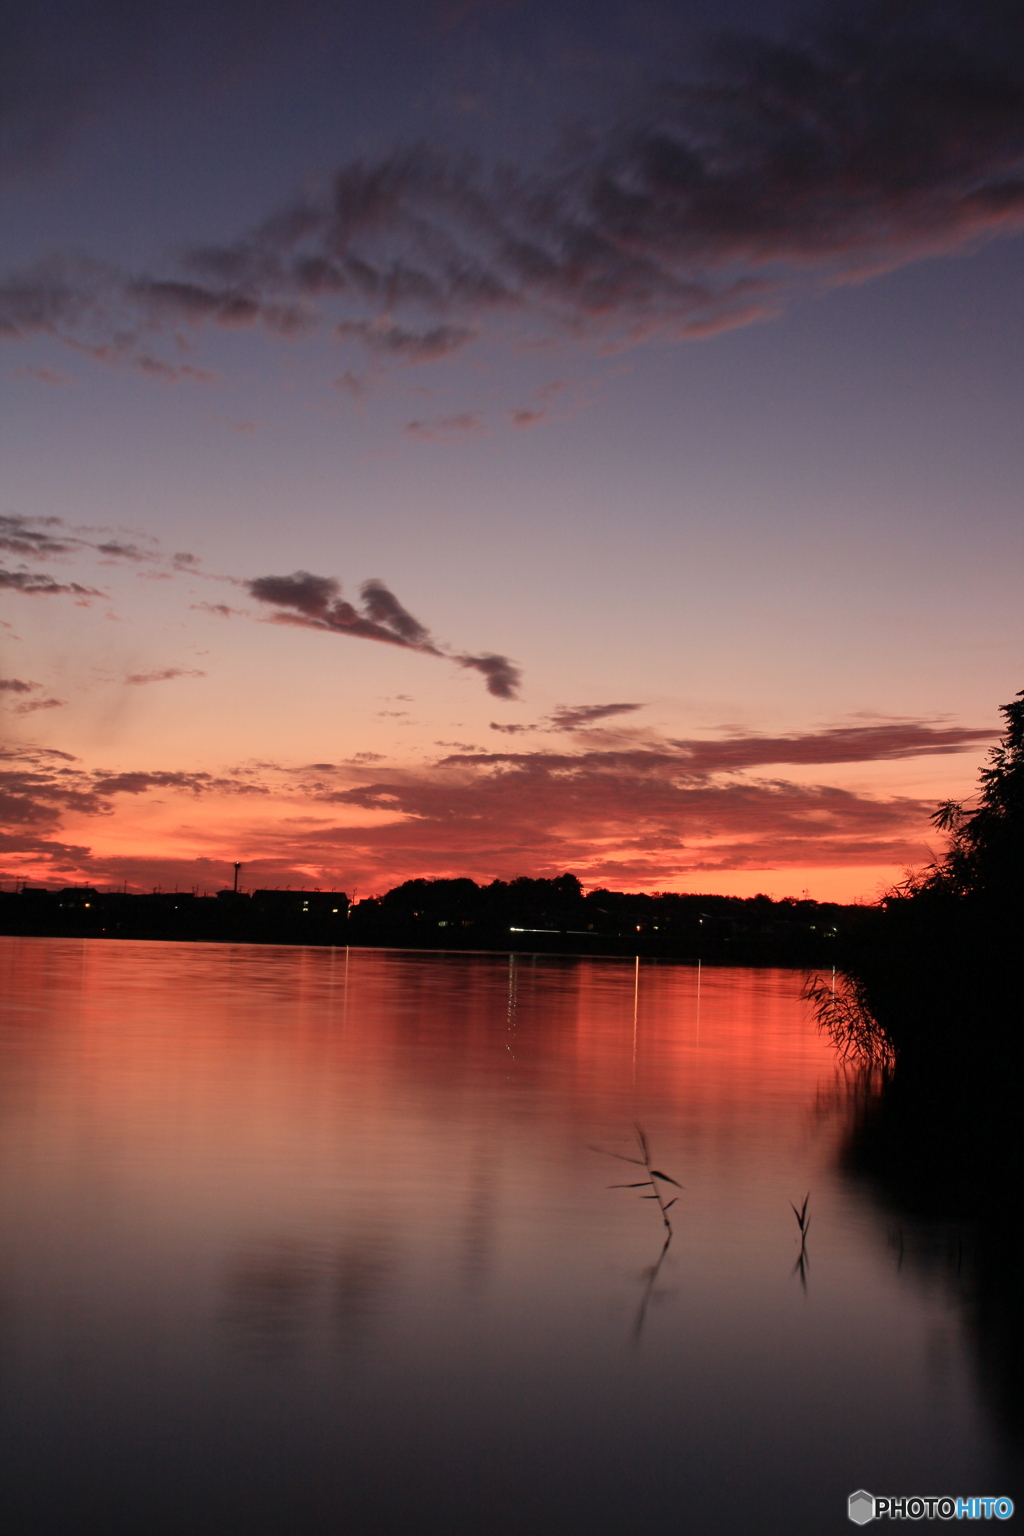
316 1240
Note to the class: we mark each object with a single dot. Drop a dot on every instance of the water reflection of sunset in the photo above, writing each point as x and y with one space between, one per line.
257 1196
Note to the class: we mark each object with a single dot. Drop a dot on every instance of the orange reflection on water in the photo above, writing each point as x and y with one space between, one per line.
349 1202
208 1093
204 1050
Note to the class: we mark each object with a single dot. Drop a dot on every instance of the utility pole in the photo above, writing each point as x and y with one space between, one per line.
237 868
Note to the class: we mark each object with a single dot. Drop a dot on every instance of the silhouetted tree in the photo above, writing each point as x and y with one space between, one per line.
934 972
986 852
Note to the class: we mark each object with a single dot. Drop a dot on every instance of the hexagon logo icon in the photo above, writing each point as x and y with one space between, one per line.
861 1507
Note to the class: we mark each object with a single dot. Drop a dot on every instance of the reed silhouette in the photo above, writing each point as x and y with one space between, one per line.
803 1221
651 1182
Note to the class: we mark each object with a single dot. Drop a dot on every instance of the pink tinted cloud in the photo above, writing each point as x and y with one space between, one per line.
885 742
631 815
31 706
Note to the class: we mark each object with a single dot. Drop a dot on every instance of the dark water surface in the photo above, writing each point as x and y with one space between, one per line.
314 1240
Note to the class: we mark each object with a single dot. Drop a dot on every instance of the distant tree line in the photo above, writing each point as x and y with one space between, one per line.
521 915
260 917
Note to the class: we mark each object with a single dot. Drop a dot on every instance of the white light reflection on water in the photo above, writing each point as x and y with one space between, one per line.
308 1240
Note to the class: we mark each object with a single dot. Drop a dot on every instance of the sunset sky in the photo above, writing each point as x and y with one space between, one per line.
505 438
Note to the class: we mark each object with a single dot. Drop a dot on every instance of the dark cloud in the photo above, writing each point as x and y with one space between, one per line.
193 303
884 742
51 538
316 602
575 717
852 145
384 608
312 596
37 583
115 549
392 340
61 861
57 295
503 677
31 706
48 538
167 372
34 536
35 791
849 147
443 426
570 717
165 675
104 315
166 301
28 706
196 783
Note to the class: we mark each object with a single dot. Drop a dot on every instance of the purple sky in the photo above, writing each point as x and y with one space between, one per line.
502 438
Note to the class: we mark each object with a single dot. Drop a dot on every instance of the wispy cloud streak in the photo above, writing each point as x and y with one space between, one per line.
40 584
163 675
27 692
568 718
315 602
